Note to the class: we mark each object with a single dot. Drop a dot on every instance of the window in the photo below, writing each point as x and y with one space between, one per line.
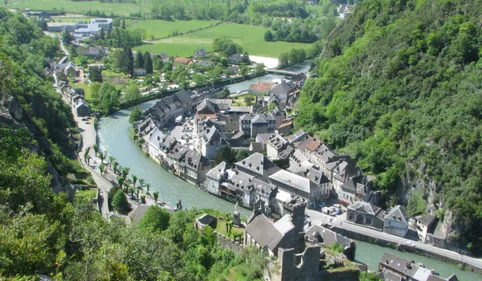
350 216
368 220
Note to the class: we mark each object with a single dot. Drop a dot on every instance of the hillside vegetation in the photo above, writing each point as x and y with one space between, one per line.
399 88
42 232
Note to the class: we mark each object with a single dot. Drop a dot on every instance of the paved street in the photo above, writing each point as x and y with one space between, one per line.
339 221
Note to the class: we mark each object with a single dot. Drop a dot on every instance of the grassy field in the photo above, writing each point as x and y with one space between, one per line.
76 7
251 38
160 28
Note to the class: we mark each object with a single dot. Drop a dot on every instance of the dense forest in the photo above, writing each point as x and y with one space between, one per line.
399 89
48 233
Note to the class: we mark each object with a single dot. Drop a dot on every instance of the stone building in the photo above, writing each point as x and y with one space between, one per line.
366 214
395 221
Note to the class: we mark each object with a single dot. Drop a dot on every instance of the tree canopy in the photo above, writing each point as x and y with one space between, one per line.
411 113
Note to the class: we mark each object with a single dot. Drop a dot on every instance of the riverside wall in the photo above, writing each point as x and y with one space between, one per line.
403 248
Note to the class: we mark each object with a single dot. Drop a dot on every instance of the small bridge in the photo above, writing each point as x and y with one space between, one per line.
282 72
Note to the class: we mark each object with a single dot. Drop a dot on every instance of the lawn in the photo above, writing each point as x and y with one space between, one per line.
241 100
88 194
77 7
88 95
251 38
161 28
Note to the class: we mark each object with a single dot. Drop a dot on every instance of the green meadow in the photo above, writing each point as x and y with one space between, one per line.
251 38
161 28
77 7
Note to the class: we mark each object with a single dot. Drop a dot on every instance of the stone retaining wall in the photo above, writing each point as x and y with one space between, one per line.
227 243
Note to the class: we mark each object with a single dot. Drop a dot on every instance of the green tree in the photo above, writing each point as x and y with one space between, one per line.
135 115
244 71
139 60
260 68
268 36
134 180
241 154
225 154
66 38
148 63
120 203
132 93
155 219
95 74
125 172
156 196
101 168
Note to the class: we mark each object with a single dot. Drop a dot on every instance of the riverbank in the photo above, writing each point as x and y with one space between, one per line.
164 93
465 262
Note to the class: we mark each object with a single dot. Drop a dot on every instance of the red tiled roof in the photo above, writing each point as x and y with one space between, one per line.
286 124
313 145
207 116
182 60
260 87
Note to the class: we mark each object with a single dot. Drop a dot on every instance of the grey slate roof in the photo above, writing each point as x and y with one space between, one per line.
388 275
277 141
258 164
206 219
408 268
184 96
192 159
286 152
365 207
397 213
256 146
205 63
427 220
283 88
317 176
218 171
258 119
263 231
207 107
329 237
263 138
263 187
292 180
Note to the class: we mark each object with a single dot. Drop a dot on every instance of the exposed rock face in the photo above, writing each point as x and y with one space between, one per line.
13 116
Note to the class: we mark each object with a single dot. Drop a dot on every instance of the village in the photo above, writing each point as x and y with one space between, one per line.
285 176
283 168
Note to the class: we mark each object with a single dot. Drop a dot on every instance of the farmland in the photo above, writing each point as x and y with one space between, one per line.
77 7
251 38
161 28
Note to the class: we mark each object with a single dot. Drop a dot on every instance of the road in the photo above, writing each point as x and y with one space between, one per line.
89 137
341 222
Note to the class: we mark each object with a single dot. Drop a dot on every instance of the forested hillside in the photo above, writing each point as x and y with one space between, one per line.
42 232
399 88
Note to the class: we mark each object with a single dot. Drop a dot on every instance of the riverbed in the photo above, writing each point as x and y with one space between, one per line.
114 138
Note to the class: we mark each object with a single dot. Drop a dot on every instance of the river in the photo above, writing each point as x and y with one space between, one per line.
114 138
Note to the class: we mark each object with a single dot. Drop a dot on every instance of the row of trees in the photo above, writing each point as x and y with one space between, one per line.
292 57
